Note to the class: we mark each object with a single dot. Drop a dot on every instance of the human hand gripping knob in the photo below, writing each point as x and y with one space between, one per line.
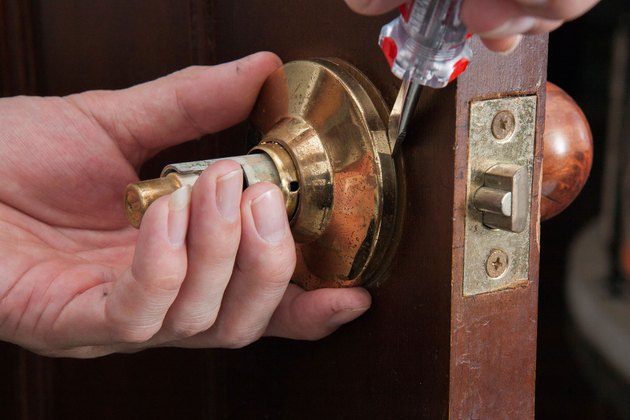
210 265
500 23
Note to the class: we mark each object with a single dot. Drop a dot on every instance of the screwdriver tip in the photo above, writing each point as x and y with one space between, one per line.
402 111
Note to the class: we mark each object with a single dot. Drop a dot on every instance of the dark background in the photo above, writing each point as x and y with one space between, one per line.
572 380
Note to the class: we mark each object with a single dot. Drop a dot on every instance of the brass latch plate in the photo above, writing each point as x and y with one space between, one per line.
502 132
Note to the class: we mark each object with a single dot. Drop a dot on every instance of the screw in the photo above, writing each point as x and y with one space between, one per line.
503 125
497 263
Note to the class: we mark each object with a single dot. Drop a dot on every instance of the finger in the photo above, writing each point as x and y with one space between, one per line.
503 45
131 308
373 7
141 298
481 16
505 39
181 106
494 19
557 9
313 315
545 25
213 241
264 266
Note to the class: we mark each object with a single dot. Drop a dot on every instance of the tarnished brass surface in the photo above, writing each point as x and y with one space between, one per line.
256 168
331 120
288 178
140 195
263 164
324 143
501 160
315 174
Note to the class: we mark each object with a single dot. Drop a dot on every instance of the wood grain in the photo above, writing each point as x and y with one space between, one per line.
423 350
493 353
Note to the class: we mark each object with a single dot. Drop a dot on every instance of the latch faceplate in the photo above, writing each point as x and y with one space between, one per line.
500 167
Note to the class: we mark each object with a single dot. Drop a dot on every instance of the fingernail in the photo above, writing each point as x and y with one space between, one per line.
270 216
514 26
178 214
515 44
228 194
345 315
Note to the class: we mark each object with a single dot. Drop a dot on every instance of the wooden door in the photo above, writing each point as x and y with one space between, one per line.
422 351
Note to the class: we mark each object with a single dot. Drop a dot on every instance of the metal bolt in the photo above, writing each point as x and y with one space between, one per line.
497 263
503 125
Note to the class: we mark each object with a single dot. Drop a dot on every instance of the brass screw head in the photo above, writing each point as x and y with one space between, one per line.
497 263
503 125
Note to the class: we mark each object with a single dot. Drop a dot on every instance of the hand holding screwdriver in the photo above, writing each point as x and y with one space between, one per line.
499 23
426 45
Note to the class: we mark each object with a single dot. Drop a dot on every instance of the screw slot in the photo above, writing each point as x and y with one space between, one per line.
497 263
503 125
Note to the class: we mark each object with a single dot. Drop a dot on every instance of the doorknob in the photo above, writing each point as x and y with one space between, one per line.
323 141
568 152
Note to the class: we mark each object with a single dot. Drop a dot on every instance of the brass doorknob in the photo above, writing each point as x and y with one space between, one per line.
324 143
568 152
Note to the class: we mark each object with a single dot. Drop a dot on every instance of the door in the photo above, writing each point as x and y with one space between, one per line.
428 348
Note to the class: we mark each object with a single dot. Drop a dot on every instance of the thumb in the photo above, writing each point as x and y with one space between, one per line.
181 106
373 7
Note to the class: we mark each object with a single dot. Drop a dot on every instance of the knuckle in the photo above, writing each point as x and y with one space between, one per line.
159 279
280 275
275 267
237 343
167 283
133 334
240 339
219 256
192 326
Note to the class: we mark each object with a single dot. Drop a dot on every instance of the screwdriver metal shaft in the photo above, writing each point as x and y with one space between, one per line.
427 45
402 112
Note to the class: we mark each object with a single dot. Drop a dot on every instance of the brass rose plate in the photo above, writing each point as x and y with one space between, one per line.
330 119
321 128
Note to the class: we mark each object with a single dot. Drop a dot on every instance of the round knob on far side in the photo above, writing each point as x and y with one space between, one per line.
568 152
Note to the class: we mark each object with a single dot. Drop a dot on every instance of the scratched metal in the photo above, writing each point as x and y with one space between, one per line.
486 151
256 168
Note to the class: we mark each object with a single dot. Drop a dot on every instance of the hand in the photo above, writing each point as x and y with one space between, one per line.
209 267
500 23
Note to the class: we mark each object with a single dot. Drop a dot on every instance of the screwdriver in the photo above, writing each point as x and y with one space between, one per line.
427 45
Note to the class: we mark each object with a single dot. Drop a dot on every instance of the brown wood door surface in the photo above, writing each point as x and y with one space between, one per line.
422 351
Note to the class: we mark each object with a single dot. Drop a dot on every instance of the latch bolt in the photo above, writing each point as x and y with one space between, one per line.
503 198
